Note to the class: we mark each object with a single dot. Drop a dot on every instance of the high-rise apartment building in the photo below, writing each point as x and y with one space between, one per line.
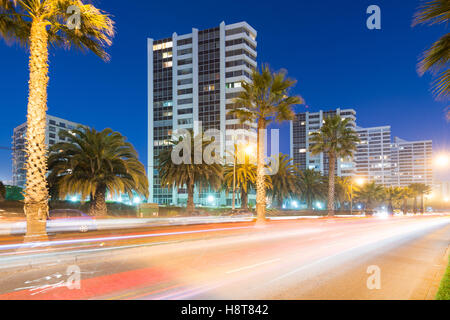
54 125
192 81
303 126
412 162
373 155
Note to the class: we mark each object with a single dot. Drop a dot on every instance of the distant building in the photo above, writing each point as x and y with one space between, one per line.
54 125
302 127
373 155
194 78
412 162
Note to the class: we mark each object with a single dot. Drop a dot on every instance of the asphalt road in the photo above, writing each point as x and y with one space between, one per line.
299 259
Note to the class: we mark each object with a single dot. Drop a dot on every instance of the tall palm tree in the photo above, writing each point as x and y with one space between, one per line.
370 194
245 180
284 181
36 24
188 175
337 140
311 186
420 190
436 59
262 101
93 163
393 195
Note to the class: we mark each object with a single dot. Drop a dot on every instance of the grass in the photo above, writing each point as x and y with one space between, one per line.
444 289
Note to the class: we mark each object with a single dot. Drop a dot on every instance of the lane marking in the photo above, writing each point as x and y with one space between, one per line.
252 266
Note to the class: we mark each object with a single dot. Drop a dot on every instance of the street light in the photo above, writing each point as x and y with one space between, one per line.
359 182
442 161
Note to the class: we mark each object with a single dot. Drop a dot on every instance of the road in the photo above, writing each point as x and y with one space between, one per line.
294 259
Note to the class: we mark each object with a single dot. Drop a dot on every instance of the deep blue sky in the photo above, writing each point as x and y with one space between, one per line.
325 45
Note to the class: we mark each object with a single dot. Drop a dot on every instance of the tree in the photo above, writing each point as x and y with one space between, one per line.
93 163
245 180
436 59
284 181
188 174
336 140
262 101
36 24
392 196
311 186
370 194
343 190
2 191
406 194
419 190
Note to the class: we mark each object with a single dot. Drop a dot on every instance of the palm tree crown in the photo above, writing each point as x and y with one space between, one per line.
370 194
285 180
436 59
311 186
93 163
94 32
188 175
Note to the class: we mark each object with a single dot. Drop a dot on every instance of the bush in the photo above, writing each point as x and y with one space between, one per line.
14 193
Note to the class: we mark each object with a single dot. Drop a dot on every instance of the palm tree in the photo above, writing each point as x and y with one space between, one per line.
393 195
311 186
370 194
284 181
406 194
420 190
93 163
343 190
435 60
337 140
263 100
188 174
36 24
245 180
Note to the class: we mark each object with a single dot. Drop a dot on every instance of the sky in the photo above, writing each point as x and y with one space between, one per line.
324 45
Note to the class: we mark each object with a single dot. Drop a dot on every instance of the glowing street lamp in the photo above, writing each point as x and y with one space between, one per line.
359 182
442 161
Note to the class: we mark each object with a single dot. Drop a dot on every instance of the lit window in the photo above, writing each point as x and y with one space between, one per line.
167 54
162 46
167 64
302 150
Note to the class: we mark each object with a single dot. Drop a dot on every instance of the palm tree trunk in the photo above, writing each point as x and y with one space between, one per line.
405 205
98 203
391 208
260 178
332 164
36 192
244 199
190 202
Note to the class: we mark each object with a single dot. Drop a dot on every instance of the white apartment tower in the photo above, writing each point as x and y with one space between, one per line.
373 155
412 162
54 125
192 81
303 126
